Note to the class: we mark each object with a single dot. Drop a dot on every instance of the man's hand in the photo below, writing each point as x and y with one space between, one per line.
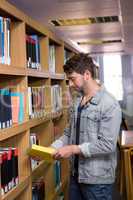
66 151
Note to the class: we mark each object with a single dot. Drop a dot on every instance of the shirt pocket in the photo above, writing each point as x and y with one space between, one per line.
91 122
89 127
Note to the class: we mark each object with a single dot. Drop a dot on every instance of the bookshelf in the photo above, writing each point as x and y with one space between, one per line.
17 77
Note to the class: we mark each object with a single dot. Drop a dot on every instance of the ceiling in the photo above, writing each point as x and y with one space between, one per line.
46 10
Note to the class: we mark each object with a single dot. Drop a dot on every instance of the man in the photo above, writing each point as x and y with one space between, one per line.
91 137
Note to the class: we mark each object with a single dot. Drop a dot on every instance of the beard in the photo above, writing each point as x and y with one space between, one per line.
80 90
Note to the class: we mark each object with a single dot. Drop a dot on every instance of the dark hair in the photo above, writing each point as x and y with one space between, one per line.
79 63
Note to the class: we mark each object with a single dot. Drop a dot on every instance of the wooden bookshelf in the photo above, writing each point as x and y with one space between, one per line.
57 76
38 171
57 191
14 193
18 77
12 131
38 121
5 69
35 73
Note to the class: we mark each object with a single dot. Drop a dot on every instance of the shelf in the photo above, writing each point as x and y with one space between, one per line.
16 190
37 73
19 128
57 76
57 191
12 131
39 170
37 121
10 70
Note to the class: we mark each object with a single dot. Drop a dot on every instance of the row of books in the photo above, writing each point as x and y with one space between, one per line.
36 101
8 169
13 104
33 51
11 108
5 40
32 48
38 190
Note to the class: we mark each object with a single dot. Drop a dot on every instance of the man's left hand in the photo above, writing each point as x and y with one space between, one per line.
66 151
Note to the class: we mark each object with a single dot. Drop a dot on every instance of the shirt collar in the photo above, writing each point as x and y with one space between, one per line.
96 99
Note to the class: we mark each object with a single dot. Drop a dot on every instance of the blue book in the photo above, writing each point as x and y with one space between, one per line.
2 42
2 58
1 39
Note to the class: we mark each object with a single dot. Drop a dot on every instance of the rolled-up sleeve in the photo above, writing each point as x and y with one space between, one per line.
106 141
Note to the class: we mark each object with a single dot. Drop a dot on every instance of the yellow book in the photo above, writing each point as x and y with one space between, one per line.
44 153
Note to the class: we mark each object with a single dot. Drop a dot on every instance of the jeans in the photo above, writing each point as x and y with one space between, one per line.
80 191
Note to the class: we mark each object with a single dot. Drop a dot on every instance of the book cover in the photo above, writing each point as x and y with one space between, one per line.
44 153
15 108
21 105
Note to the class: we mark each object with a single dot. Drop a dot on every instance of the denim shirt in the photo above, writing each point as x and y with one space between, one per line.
99 129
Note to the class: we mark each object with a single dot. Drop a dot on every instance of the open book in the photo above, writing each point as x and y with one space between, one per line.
44 153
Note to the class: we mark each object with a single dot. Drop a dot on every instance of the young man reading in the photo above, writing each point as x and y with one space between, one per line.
91 136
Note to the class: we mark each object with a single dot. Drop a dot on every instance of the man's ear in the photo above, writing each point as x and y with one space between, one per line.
87 75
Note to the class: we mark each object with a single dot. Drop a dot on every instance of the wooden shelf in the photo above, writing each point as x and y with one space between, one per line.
10 70
11 195
38 171
12 131
57 76
37 73
18 77
37 121
19 128
57 191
